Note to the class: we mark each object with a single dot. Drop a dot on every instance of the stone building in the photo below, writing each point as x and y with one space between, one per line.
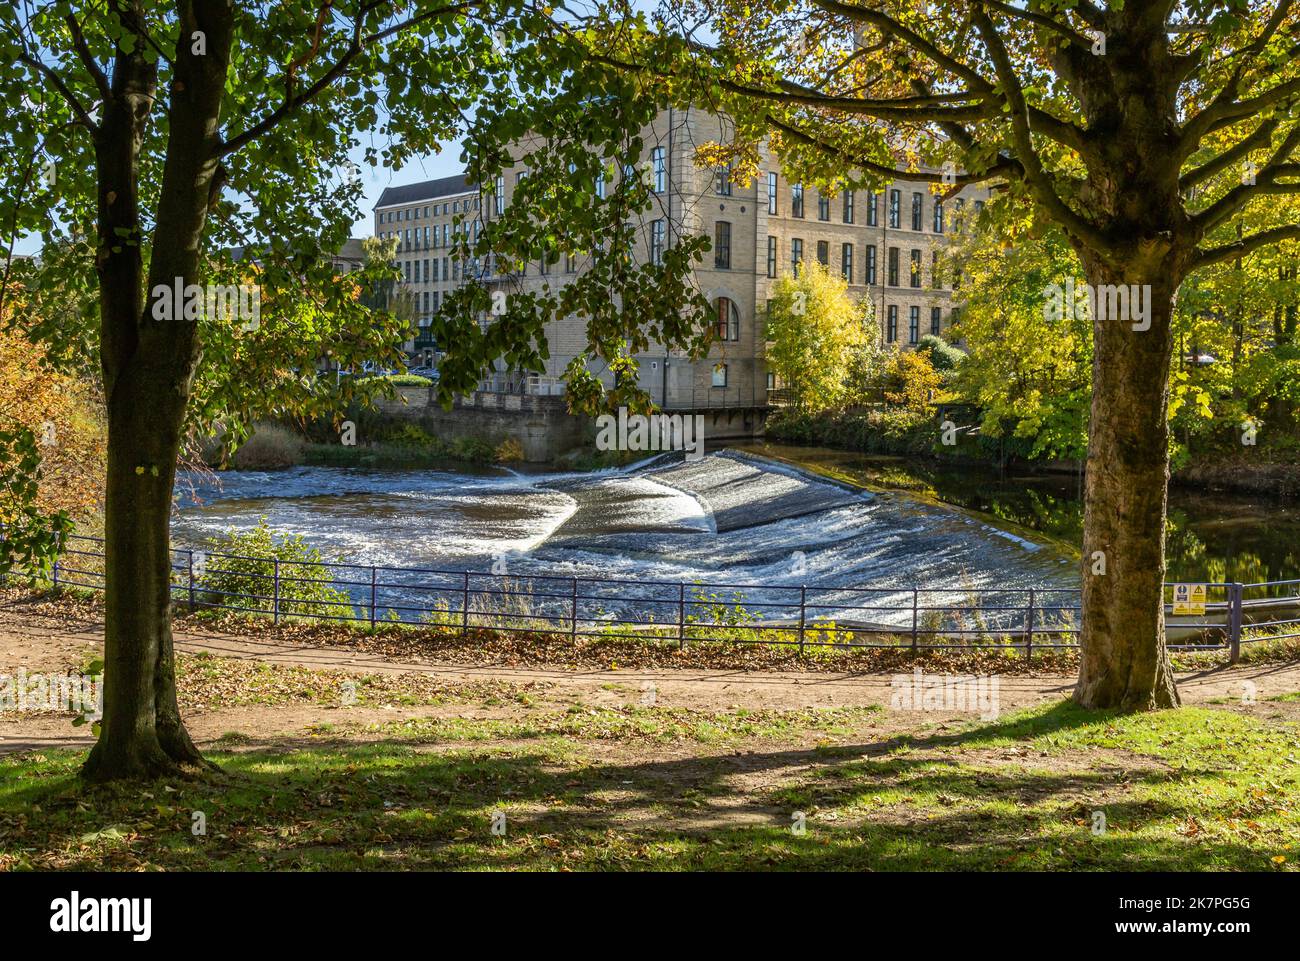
887 244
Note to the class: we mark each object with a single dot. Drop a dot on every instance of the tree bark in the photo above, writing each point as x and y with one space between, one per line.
1124 662
149 367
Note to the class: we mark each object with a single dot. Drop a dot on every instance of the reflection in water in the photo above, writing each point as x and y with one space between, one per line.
1211 537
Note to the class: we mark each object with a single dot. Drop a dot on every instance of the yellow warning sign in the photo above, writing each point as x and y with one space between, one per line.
1189 598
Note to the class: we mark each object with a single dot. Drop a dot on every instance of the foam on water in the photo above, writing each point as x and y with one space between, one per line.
725 519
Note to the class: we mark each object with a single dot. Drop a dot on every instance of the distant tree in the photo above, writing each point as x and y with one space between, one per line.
943 355
816 332
910 380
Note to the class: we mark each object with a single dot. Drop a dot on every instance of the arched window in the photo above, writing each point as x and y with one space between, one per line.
728 319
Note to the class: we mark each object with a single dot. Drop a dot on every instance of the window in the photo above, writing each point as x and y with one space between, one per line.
915 279
446 269
656 243
846 262
722 182
722 245
796 200
426 270
938 215
936 321
771 192
435 270
720 375
871 265
895 204
600 184
796 255
891 324
406 239
446 236
728 324
455 270
848 206
979 207
660 165
916 210
873 202
960 216
570 264
893 266
499 199
823 206
771 256
936 280
913 324
823 253
426 211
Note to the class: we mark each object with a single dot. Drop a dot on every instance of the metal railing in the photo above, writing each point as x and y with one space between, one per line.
677 612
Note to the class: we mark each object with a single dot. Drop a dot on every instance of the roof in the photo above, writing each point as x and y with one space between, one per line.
425 190
352 249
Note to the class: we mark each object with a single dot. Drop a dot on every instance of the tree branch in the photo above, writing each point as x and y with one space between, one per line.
1034 174
87 60
1245 245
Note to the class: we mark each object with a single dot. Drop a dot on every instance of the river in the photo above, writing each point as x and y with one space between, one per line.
734 517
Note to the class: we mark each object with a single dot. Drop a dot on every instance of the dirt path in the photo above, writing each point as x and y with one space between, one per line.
51 638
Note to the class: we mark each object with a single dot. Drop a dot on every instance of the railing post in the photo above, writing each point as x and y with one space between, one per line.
681 616
1029 627
915 601
191 572
464 608
803 615
573 632
58 548
374 589
1234 622
275 596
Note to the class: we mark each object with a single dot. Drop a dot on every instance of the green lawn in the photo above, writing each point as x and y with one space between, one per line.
646 787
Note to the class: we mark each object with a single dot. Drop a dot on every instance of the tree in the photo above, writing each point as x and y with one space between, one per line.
153 136
1113 119
1027 369
815 332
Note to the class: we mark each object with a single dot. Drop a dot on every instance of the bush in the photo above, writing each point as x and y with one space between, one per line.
509 451
304 590
271 447
398 380
943 355
473 449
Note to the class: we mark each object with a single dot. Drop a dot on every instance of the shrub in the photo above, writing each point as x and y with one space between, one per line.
399 380
509 451
943 355
270 447
474 449
304 590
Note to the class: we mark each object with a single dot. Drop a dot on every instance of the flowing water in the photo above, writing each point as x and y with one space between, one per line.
761 518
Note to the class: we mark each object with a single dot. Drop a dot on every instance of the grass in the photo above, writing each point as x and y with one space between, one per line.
645 787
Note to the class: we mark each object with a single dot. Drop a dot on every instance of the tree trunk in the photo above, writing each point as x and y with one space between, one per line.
141 733
1123 661
148 371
